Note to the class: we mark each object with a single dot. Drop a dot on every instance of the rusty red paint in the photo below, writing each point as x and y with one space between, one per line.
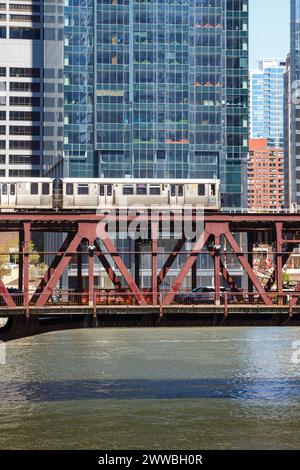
85 228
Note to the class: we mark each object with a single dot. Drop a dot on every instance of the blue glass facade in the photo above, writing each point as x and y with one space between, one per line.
294 148
157 89
266 103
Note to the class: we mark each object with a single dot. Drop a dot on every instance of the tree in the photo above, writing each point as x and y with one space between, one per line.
5 253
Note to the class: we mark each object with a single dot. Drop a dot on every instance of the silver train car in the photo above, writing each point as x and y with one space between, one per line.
72 194
26 193
118 193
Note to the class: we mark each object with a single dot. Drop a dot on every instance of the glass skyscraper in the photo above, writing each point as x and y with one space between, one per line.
157 89
266 102
293 143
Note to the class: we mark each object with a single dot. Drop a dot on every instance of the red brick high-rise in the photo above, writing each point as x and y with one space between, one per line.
265 176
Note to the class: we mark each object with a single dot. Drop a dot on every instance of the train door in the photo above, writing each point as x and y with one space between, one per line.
177 195
4 195
8 195
212 194
173 197
12 195
180 195
105 195
101 195
109 195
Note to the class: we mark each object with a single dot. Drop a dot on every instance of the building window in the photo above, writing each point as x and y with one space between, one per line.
24 72
24 33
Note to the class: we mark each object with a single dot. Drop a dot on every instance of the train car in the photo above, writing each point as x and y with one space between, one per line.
26 193
107 193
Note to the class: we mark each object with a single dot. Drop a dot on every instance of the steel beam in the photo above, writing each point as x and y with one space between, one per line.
66 258
6 296
106 265
237 250
170 260
121 265
279 263
154 265
79 268
91 271
26 263
55 262
185 269
217 269
21 267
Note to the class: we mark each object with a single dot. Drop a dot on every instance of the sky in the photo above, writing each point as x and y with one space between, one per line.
269 29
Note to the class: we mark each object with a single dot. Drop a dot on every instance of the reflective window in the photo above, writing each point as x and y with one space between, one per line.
45 189
201 189
83 189
141 189
128 190
155 190
69 189
34 188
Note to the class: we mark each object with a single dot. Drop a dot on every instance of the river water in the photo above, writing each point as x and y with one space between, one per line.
177 388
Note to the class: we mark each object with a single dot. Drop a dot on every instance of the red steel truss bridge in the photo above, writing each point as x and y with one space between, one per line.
255 293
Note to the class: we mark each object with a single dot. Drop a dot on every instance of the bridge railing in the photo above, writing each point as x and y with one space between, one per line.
145 298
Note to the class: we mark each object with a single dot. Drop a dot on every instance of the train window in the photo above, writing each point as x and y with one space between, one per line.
109 190
101 190
4 189
83 189
45 189
141 189
201 189
180 190
128 190
212 189
69 189
173 190
155 190
34 188
12 189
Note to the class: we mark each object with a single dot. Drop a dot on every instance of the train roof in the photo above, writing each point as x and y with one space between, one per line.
139 180
24 179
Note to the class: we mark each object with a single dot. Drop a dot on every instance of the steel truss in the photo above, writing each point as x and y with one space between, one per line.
86 234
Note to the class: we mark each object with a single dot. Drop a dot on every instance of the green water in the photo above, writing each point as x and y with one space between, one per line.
202 388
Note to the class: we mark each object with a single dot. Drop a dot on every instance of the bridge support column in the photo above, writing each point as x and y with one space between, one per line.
21 264
92 299
279 263
154 248
217 266
137 263
79 268
26 265
250 243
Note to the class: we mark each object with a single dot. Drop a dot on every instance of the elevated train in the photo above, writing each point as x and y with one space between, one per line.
73 194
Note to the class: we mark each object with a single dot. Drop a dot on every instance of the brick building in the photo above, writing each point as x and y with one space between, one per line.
265 176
